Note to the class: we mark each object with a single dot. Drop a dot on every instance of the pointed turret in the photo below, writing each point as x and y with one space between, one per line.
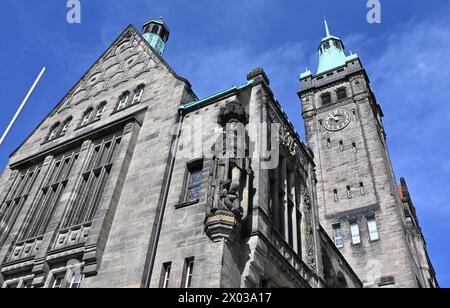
331 52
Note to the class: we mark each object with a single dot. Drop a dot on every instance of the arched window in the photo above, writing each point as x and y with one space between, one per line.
87 116
54 131
155 29
66 125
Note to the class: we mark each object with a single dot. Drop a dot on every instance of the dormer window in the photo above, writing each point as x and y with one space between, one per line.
326 98
123 101
341 93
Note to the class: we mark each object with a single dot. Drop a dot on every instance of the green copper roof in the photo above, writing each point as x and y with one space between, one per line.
332 52
198 103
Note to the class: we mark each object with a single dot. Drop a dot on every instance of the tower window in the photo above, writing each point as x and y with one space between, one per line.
349 192
326 98
341 145
355 150
336 196
326 45
362 189
329 143
155 29
356 237
338 239
373 229
341 93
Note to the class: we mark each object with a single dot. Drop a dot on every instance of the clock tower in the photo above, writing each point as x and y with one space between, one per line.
359 204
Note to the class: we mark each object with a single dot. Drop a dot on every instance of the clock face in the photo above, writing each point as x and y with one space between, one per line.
337 120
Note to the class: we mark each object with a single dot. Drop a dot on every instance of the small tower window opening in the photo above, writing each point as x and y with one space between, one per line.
326 98
338 238
356 236
349 192
362 189
355 149
341 93
155 29
341 145
336 195
326 45
329 143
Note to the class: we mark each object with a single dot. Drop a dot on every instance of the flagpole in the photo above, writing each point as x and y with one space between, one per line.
24 102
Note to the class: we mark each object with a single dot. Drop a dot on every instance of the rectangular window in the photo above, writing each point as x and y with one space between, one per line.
356 237
123 102
336 196
194 181
329 143
58 281
167 267
338 240
341 93
86 119
100 112
355 150
373 229
362 189
349 192
75 283
189 273
341 145
138 96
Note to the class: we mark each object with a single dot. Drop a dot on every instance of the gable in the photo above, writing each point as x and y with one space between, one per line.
129 57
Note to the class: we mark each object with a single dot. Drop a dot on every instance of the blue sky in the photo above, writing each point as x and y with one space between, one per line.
215 43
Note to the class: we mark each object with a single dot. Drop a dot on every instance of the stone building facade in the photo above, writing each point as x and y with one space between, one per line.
359 203
132 181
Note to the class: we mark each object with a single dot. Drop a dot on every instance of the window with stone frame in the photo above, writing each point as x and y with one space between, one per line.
66 126
193 181
341 93
41 212
188 273
326 98
25 282
356 236
123 101
54 132
87 117
338 237
100 111
373 229
15 198
69 277
92 183
138 93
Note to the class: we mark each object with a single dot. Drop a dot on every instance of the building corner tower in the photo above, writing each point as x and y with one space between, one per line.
359 203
